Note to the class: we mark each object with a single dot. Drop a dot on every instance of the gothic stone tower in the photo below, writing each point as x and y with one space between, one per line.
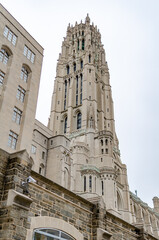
85 157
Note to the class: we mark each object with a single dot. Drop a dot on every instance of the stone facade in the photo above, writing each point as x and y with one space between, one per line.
20 68
67 178
47 204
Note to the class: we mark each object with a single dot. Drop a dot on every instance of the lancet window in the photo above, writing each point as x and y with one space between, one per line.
90 183
74 67
81 89
83 43
68 69
89 58
79 120
65 95
81 64
102 188
65 125
84 183
76 90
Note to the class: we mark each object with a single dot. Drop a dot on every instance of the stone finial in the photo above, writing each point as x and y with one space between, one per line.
68 27
87 19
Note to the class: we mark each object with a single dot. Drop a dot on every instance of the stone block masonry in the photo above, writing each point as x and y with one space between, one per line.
48 204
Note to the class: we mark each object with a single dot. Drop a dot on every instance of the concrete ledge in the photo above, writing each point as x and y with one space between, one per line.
18 199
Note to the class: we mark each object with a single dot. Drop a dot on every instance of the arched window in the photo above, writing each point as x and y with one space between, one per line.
74 67
95 184
66 178
65 95
119 202
68 69
79 120
81 88
51 234
65 125
78 43
89 58
83 44
102 188
84 183
4 56
90 183
81 64
24 74
41 169
101 142
106 141
76 90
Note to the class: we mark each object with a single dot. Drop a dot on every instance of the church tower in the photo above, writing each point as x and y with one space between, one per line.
86 153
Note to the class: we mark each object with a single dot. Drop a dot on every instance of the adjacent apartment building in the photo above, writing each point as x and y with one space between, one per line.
20 67
65 180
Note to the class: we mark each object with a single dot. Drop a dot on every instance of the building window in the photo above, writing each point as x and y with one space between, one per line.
101 142
90 183
50 234
29 54
78 44
68 69
82 44
106 150
74 67
4 56
17 114
102 188
65 125
43 155
51 142
102 151
1 77
79 120
84 183
10 35
76 90
89 70
41 169
24 74
12 141
81 64
33 149
81 88
89 58
82 33
106 141
95 183
20 94
65 95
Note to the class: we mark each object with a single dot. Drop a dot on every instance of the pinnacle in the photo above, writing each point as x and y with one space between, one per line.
87 19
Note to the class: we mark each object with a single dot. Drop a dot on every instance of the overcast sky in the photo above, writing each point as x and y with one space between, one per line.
130 34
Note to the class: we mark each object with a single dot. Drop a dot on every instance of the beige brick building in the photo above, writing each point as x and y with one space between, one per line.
81 189
20 67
